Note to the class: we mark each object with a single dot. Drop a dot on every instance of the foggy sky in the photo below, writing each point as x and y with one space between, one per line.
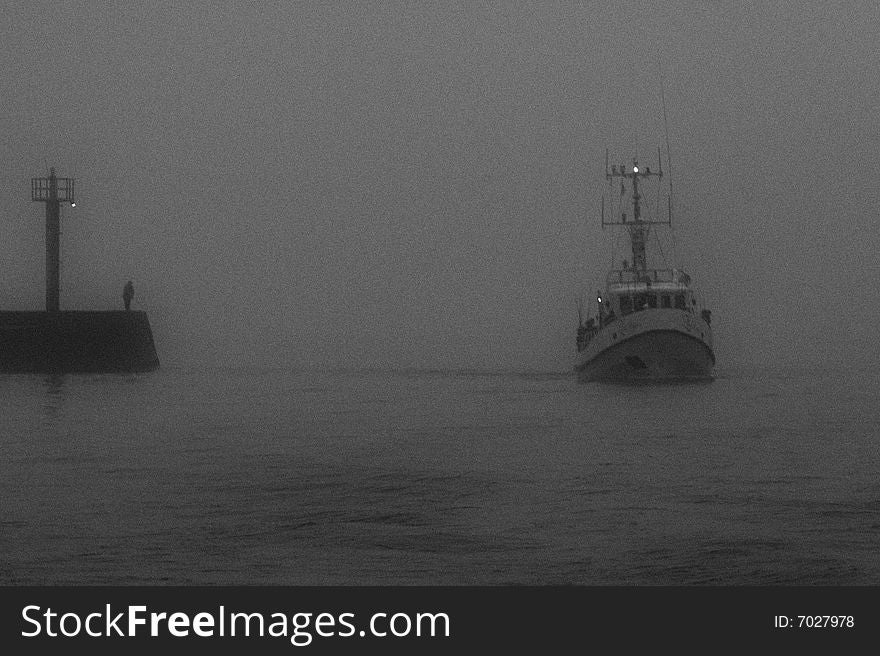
418 184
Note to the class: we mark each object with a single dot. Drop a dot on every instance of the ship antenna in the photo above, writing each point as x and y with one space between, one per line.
666 136
668 153
603 195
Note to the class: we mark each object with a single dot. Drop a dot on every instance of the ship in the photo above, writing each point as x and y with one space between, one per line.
651 324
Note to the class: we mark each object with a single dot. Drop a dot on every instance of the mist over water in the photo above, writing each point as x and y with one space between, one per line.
360 231
398 185
273 477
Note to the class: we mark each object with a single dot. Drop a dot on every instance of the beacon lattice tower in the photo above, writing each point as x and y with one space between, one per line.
53 191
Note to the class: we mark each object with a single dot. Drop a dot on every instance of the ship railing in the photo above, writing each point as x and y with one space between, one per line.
629 275
585 334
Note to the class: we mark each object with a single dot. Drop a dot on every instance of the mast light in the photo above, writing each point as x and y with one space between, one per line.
635 169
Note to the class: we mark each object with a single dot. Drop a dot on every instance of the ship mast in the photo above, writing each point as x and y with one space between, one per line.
637 227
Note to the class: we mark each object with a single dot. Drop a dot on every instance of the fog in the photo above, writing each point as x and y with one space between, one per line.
418 185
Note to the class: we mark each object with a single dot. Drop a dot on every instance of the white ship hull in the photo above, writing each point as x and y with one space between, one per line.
649 345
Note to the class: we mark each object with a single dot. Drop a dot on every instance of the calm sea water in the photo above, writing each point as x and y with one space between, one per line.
279 477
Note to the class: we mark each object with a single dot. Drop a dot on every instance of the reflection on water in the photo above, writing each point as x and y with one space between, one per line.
53 386
693 381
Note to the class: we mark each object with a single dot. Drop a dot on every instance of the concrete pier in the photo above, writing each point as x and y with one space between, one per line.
76 342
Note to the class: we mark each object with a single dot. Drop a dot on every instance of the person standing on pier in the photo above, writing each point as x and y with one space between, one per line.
127 294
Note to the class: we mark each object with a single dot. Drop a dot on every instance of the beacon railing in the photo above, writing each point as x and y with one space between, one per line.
52 188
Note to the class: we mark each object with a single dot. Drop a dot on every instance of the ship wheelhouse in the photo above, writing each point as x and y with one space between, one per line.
630 291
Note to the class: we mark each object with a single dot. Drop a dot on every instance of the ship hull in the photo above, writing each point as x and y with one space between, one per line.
660 346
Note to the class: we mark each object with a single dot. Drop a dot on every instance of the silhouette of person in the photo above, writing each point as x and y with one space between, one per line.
127 294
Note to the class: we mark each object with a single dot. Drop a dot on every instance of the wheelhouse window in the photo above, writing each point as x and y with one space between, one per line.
625 304
679 302
652 300
665 300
